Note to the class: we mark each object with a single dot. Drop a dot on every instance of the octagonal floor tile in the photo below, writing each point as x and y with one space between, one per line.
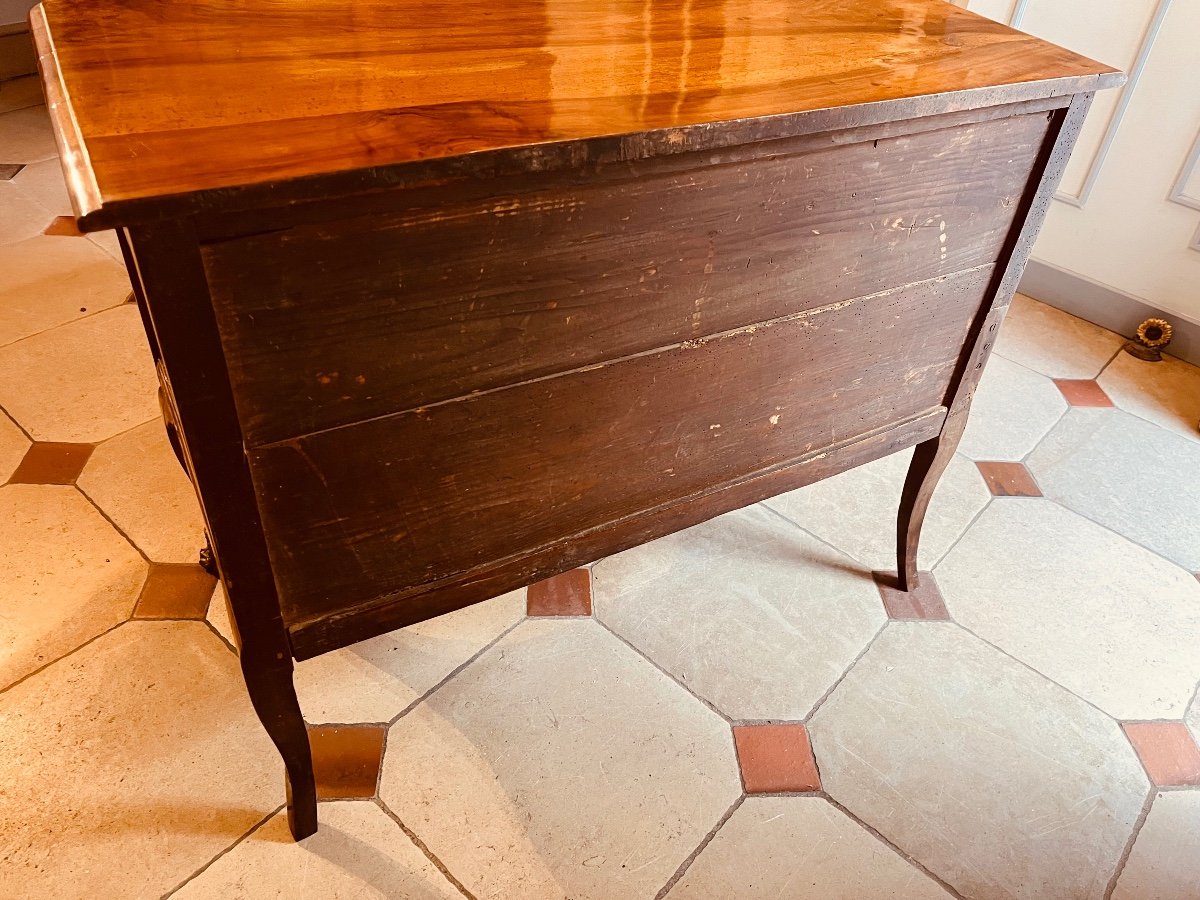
799 848
65 576
1013 409
84 381
1166 393
1165 861
1134 477
752 613
21 217
46 281
560 763
1053 342
358 852
129 765
1103 617
43 182
26 135
856 510
13 445
998 781
372 681
137 481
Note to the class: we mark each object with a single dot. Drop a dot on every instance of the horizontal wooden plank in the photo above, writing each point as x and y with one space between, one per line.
336 322
402 608
366 510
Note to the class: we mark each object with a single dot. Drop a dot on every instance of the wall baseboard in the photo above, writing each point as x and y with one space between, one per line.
1105 306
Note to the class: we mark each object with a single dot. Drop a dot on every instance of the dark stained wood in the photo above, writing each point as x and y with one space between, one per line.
152 103
355 624
931 457
397 502
340 321
169 284
445 299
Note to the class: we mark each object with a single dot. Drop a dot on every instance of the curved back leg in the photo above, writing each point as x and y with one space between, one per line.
924 472
274 698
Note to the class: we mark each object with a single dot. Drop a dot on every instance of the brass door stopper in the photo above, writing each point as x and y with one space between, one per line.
1150 340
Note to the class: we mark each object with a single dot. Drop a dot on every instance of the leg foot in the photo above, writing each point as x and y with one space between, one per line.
274 698
301 810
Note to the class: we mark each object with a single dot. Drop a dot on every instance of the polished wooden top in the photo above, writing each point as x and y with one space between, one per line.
160 99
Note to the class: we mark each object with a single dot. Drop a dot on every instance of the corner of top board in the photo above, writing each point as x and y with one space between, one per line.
72 151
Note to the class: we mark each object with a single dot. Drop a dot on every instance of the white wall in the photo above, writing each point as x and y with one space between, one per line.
1121 219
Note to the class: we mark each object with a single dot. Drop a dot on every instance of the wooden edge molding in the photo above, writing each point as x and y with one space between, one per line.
77 167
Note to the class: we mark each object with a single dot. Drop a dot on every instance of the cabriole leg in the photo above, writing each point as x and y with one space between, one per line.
924 472
274 697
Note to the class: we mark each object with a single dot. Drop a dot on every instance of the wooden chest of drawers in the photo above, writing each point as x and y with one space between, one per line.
442 311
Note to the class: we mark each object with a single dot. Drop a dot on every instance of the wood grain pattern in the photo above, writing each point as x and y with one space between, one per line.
179 99
346 320
395 503
355 623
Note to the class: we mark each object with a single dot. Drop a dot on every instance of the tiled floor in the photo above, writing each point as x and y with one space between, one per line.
743 710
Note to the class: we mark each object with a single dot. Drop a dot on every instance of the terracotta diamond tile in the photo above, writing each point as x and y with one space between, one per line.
924 602
1008 479
175 592
51 462
346 759
776 758
1167 750
1082 392
568 594
63 226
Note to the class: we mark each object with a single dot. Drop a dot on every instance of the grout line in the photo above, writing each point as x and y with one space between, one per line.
1112 359
123 432
979 515
269 816
1192 438
59 659
1041 674
894 847
1156 553
704 842
220 637
382 756
29 437
345 724
1193 701
423 847
816 537
78 317
1024 460
642 655
1127 850
1176 788
887 620
107 518
453 672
